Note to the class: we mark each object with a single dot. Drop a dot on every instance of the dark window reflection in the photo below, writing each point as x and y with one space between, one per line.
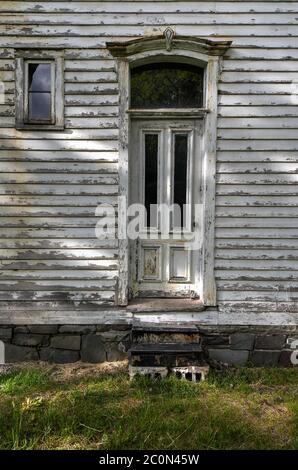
151 165
180 171
167 85
39 92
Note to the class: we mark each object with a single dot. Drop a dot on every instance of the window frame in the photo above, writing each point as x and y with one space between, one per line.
23 59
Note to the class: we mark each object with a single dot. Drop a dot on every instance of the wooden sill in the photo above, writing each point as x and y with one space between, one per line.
39 127
167 113
165 305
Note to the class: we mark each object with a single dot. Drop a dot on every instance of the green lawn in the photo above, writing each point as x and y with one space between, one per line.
43 407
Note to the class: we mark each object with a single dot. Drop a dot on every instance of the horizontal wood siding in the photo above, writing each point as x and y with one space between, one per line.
51 182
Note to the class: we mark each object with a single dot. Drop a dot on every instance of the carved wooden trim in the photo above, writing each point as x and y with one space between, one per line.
186 43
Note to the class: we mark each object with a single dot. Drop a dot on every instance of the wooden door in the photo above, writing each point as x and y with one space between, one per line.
165 173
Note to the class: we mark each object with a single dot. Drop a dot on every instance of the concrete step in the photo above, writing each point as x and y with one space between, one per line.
191 373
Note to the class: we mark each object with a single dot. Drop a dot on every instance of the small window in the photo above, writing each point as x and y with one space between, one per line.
39 90
167 85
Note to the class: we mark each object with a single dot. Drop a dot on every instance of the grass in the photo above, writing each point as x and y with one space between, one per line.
84 408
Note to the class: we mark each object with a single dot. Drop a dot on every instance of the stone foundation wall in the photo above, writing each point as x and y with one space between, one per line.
233 345
255 346
65 343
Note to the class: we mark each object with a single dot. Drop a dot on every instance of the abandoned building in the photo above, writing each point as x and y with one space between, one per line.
109 104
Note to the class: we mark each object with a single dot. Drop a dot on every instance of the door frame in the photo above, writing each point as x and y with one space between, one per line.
200 52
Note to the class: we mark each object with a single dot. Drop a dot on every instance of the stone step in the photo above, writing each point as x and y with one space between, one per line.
164 327
172 348
166 355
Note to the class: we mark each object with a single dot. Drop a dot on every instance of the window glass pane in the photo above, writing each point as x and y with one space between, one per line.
39 106
39 77
151 165
180 171
167 85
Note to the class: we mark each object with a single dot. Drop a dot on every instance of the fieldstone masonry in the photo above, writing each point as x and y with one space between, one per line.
235 345
251 346
65 343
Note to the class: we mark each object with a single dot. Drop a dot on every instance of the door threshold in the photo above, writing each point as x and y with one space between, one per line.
165 305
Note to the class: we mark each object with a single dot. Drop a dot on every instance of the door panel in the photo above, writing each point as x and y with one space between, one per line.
165 170
150 263
179 260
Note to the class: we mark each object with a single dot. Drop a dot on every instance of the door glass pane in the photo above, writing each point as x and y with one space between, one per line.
180 172
167 85
39 92
151 171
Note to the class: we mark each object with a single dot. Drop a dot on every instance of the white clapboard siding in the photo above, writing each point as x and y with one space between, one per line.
255 167
37 222
273 254
76 99
237 26
257 189
255 222
73 135
266 53
257 6
280 76
258 179
256 212
258 65
52 182
260 244
263 98
73 19
59 144
91 111
24 253
66 244
283 39
258 123
49 178
256 276
275 109
58 264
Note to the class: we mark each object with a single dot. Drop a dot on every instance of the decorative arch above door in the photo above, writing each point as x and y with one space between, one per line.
195 55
